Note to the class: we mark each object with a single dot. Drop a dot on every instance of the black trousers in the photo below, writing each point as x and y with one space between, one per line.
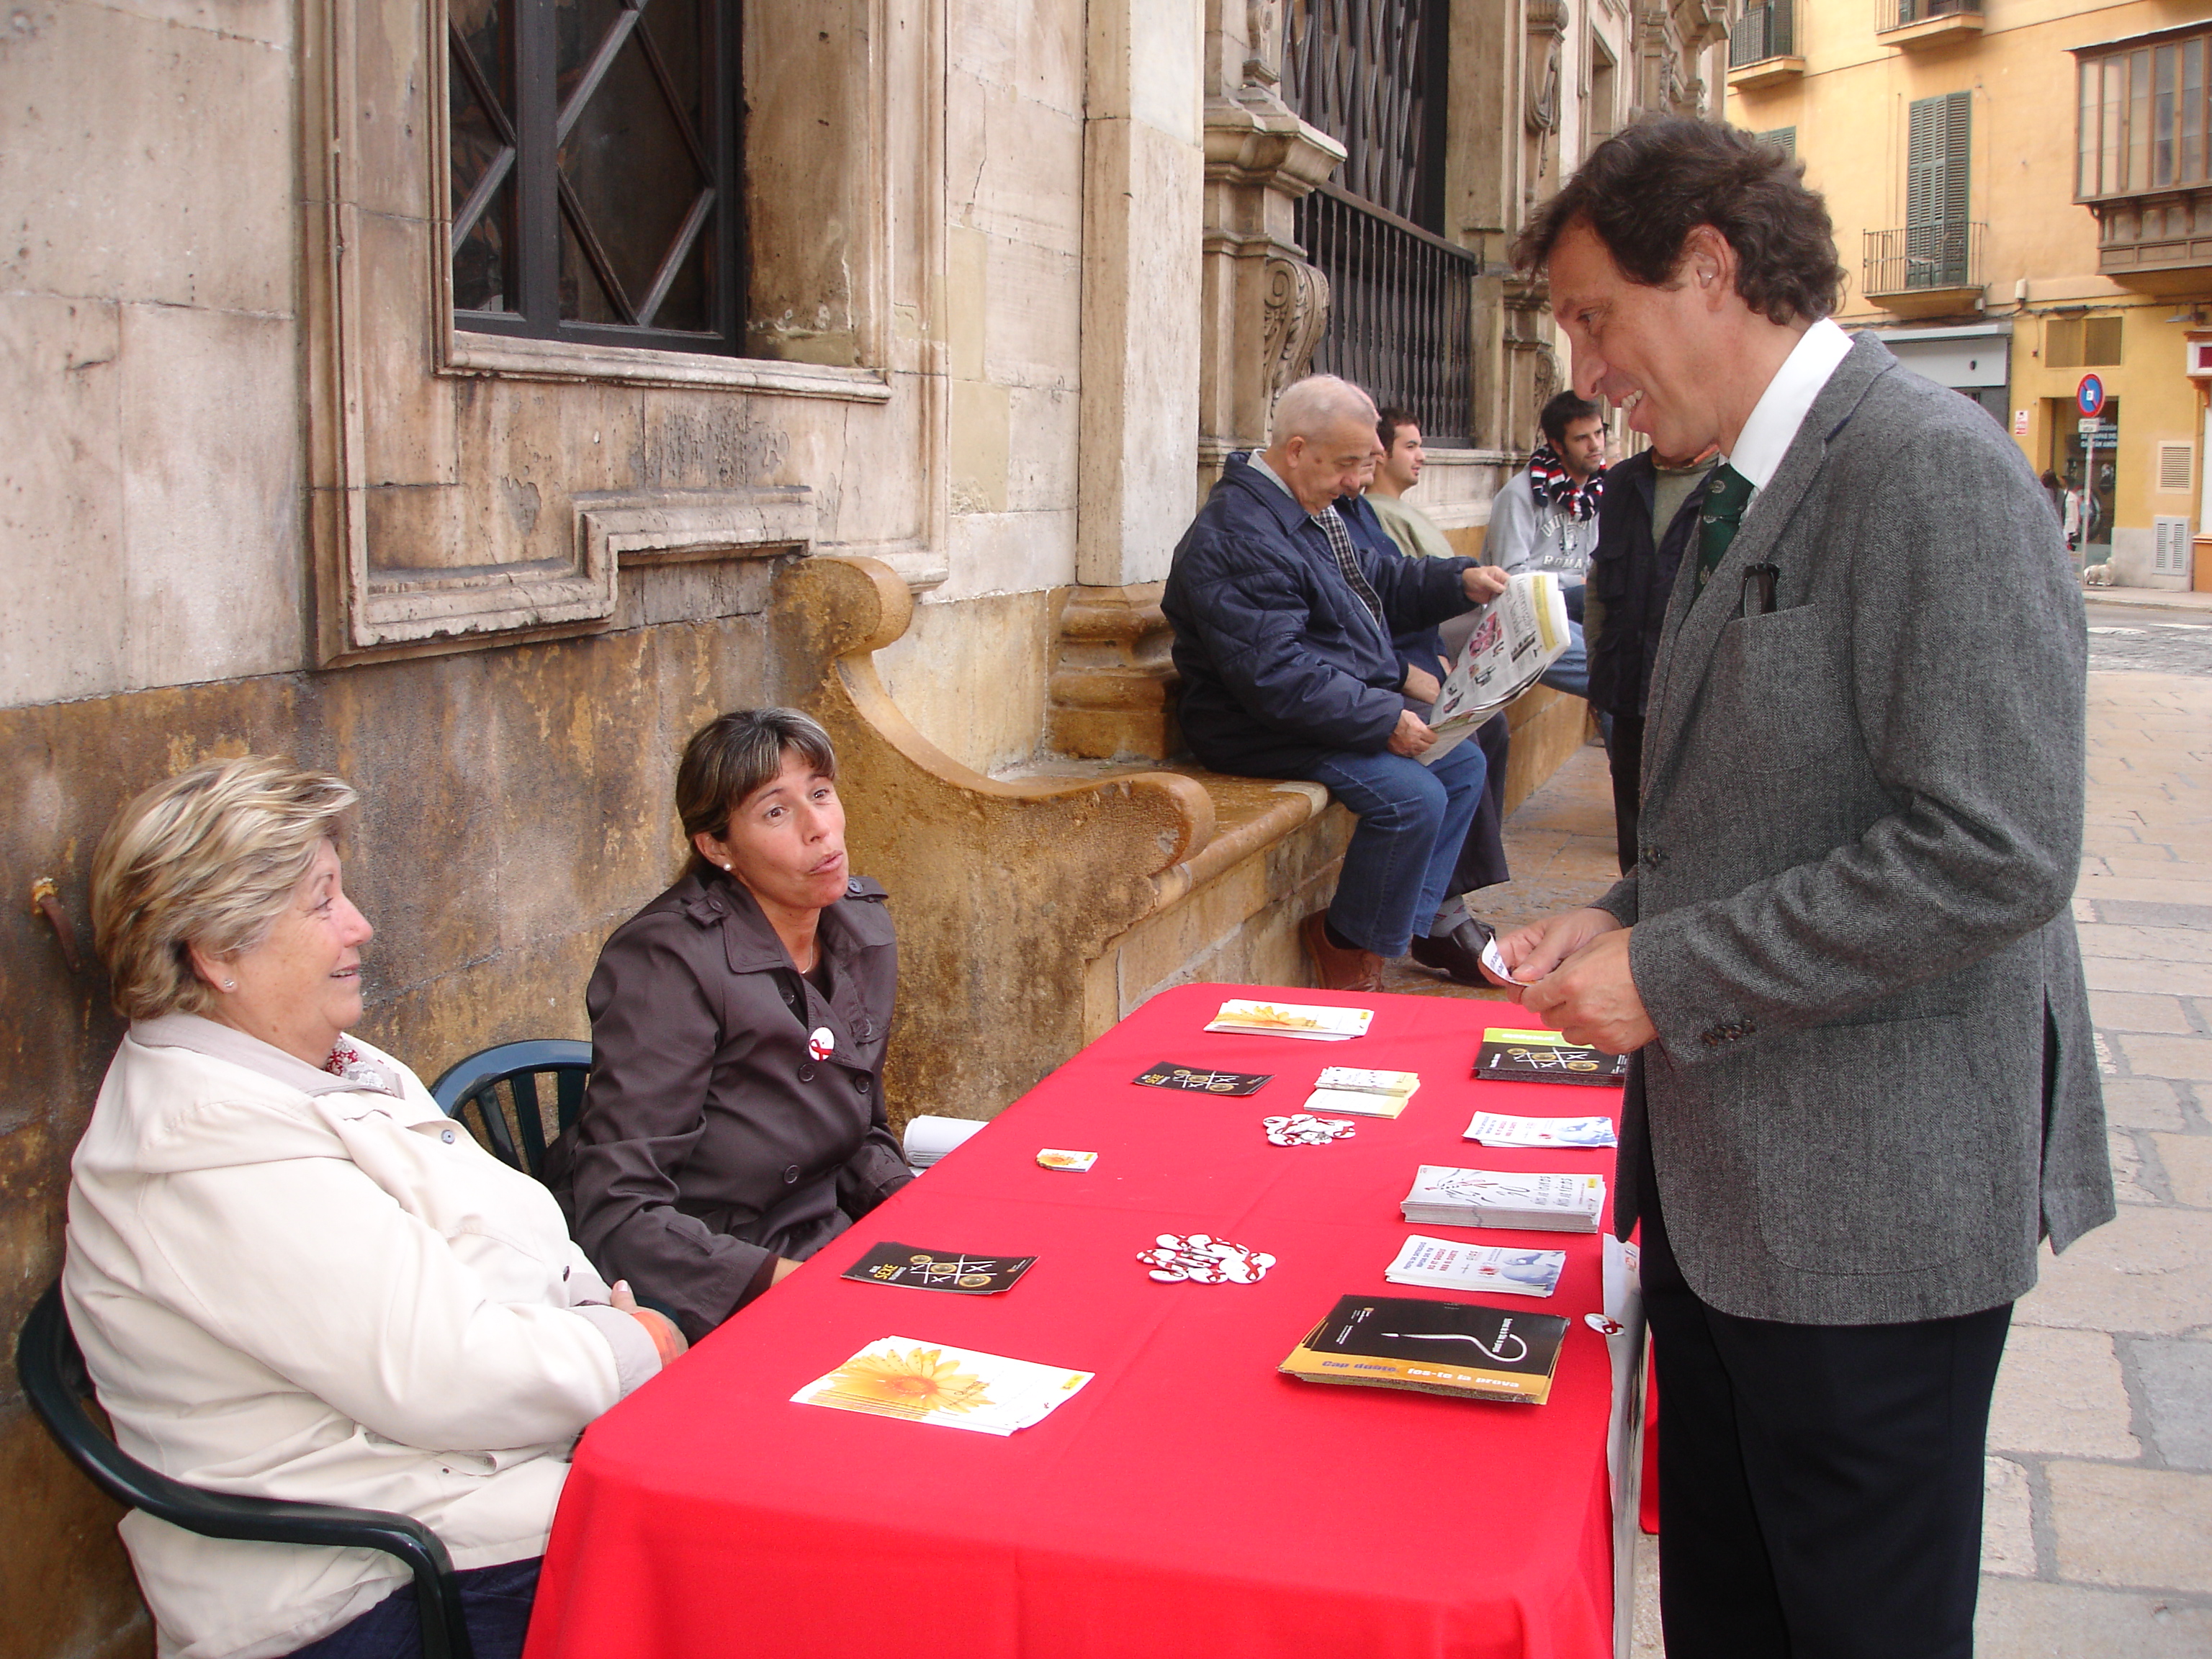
1819 1487
496 1604
1482 854
1625 755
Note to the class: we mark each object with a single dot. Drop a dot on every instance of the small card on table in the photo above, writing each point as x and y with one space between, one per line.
1200 1080
939 1270
1504 1129
1292 1019
956 1388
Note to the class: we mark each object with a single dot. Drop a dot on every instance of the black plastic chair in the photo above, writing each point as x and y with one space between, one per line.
51 1370
514 1129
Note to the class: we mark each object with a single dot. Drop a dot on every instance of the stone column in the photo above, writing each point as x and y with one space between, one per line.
1142 178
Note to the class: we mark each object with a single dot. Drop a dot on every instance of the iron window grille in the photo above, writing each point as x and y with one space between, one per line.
595 157
1372 75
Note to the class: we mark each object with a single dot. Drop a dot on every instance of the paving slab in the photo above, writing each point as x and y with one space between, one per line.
2137 1011
2019 1619
2148 1271
2145 943
2175 1379
2128 1186
2142 1103
2188 979
2186 1161
2060 1392
2189 1057
2132 1529
2008 1521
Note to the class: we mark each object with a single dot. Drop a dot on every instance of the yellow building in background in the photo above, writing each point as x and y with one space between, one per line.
2022 194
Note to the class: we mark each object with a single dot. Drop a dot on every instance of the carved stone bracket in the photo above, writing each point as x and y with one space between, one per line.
1296 318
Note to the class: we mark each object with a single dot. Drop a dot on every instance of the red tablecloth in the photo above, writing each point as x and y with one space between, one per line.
1190 1500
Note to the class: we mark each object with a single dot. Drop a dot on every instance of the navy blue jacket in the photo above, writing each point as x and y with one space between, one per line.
1278 658
1630 579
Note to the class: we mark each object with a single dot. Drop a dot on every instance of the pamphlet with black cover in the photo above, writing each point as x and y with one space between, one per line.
1200 1079
1458 1348
939 1270
1546 1057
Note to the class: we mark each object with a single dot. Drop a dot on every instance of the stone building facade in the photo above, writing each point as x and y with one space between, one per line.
323 434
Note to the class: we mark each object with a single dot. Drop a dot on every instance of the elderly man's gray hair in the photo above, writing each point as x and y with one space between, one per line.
1315 405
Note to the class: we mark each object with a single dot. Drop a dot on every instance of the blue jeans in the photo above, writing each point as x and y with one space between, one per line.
1412 820
1571 672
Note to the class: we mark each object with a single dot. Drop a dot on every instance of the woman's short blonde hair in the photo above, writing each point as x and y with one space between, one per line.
210 857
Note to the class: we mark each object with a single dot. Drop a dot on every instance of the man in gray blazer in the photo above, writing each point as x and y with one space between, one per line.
1864 1085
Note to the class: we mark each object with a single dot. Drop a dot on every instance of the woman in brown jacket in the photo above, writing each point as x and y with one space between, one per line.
734 1121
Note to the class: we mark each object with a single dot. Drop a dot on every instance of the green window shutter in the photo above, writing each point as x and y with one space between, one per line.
1936 170
1958 120
1936 160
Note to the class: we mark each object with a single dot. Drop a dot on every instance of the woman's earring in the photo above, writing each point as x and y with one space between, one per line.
230 985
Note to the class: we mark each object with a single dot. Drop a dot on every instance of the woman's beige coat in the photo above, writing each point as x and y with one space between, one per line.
288 1284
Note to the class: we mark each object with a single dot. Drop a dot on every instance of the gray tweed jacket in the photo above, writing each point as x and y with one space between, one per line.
1875 1085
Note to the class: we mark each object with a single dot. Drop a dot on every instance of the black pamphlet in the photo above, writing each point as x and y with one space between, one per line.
1203 1080
1546 1057
939 1270
1462 1348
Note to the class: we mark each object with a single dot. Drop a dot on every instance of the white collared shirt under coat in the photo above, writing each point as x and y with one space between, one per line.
292 1284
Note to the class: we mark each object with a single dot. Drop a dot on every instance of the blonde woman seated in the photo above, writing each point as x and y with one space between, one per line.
291 1276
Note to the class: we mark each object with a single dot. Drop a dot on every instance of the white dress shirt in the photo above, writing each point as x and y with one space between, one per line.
1772 426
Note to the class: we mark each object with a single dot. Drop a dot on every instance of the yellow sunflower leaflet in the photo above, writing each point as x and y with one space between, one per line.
930 1383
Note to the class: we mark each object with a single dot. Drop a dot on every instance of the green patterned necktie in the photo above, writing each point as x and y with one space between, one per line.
1728 492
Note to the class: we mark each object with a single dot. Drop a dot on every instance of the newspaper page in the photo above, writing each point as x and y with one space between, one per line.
1517 635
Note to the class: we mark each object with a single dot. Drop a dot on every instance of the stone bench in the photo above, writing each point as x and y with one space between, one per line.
1036 908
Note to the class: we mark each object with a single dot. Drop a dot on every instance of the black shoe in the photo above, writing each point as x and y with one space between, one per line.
1458 954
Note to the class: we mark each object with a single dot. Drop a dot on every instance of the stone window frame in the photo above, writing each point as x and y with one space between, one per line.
375 104
530 358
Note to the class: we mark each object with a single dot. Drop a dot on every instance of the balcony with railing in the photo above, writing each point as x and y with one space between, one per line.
1912 24
1763 46
1400 310
1925 271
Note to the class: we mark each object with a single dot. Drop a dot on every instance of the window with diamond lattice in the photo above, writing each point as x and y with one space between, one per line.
594 151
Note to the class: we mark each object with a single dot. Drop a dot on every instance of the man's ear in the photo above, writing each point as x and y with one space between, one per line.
1708 264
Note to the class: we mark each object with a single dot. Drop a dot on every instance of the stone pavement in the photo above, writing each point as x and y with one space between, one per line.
2098 1538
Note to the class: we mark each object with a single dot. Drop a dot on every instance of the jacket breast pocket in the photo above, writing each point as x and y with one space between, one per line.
1776 678
1877 1145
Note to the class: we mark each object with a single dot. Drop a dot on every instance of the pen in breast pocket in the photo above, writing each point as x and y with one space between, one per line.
1759 589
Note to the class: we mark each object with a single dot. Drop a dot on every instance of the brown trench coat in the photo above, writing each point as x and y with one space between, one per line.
720 1129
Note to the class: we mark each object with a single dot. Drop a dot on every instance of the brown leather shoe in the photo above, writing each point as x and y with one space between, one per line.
1339 970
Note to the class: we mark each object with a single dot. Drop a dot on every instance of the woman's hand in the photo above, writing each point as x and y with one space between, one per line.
667 1341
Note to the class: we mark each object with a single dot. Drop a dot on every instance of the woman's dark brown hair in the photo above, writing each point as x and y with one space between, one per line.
1643 190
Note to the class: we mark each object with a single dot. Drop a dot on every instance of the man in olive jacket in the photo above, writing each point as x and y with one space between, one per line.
1864 1085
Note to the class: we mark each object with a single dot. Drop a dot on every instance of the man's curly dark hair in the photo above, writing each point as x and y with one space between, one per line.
1643 190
